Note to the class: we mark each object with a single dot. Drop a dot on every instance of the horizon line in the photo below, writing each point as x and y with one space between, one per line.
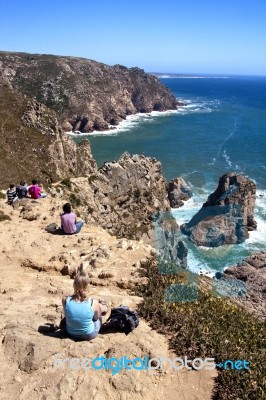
197 74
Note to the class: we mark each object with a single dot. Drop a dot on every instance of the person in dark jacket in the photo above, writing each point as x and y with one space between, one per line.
22 190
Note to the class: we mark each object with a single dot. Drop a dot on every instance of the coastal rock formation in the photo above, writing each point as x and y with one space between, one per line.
86 95
122 196
43 96
67 156
234 188
137 189
178 190
227 215
251 271
170 249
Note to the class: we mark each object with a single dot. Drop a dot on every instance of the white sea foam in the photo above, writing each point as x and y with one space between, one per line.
257 238
200 259
186 212
197 266
132 121
227 159
231 133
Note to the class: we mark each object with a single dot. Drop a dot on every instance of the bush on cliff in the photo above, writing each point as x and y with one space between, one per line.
209 327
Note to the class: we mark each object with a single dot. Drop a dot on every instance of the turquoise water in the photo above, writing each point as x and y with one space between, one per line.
221 128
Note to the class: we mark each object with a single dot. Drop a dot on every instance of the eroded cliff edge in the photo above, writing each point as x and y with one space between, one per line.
43 96
86 95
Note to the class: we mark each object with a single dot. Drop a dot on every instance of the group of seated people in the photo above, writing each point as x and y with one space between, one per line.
34 191
69 223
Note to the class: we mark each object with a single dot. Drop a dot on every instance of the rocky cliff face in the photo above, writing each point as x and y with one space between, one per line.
32 144
85 94
42 96
122 196
227 215
252 272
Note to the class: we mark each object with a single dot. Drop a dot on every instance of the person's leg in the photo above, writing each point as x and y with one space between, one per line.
15 203
79 225
42 196
103 307
97 327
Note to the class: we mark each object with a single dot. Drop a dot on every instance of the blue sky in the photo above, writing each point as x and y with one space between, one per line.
196 36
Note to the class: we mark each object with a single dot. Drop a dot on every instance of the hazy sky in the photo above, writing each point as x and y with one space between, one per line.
196 36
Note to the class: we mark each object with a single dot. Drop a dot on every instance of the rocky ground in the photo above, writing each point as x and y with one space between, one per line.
36 269
252 272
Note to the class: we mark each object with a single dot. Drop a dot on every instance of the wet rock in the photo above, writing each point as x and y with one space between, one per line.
227 215
178 190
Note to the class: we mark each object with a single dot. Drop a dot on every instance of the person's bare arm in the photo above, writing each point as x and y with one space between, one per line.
64 302
96 309
100 308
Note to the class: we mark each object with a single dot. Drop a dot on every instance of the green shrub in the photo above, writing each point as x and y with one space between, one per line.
137 193
209 327
66 182
135 232
148 195
2 196
92 178
74 200
90 210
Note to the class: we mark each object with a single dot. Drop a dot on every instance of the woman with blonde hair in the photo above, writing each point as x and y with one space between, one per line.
83 314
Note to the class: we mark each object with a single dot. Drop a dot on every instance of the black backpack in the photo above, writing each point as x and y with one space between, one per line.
121 319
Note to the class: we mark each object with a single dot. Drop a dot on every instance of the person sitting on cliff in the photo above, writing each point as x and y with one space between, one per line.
83 315
69 222
11 194
35 191
22 190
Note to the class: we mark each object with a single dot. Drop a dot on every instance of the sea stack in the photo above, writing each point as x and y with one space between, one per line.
227 215
178 191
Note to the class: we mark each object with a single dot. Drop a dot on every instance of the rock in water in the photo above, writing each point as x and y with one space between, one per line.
178 190
227 215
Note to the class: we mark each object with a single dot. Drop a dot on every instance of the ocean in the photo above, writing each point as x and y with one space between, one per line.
221 128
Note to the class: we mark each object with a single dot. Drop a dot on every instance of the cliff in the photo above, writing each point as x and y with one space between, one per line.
86 95
32 144
122 196
42 96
